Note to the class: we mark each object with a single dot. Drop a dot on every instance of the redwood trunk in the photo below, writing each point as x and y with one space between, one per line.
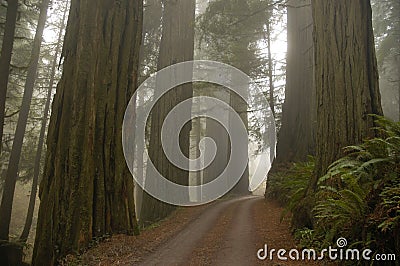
87 190
177 45
270 68
296 138
346 77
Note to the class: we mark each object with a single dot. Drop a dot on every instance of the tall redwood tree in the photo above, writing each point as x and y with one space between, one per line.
346 77
177 45
296 138
87 190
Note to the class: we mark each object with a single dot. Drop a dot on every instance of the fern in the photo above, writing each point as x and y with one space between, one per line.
362 190
358 197
288 186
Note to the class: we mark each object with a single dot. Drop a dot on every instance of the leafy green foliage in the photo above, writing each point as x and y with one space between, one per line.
358 198
307 238
234 32
289 188
391 203
289 185
28 12
386 25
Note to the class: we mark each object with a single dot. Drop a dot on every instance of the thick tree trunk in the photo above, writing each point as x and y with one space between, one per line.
218 133
12 171
346 77
240 106
38 156
140 144
87 189
398 83
240 51
296 137
177 45
5 59
270 69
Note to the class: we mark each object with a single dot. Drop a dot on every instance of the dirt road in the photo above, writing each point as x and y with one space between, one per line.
226 233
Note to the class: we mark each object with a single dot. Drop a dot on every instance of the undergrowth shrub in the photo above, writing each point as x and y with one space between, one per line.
358 198
289 187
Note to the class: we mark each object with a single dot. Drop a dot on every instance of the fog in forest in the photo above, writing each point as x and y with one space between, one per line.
322 76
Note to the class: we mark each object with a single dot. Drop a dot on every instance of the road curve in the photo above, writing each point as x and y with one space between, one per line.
234 239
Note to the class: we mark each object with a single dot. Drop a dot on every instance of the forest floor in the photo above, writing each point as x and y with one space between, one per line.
226 232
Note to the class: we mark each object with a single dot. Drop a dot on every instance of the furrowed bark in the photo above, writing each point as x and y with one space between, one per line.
87 190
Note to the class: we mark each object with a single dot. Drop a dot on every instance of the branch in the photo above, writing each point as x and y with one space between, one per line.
278 2
12 114
295 6
19 67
